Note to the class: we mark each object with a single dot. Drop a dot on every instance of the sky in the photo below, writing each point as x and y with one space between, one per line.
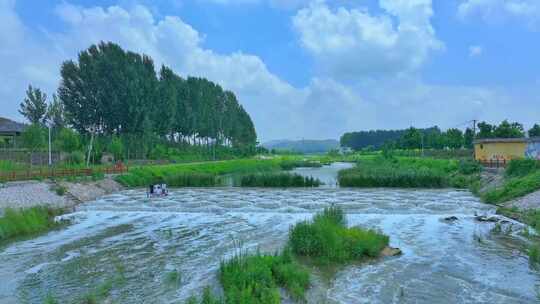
303 68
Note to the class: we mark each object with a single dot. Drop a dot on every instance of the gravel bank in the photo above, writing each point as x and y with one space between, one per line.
530 201
32 193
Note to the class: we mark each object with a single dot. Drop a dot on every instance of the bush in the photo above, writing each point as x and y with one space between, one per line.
327 240
468 167
22 222
75 158
60 190
255 278
278 180
67 140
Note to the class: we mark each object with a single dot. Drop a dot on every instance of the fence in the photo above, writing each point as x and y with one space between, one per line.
494 163
54 173
36 158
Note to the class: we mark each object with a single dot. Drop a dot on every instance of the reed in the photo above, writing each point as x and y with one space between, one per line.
277 180
327 240
256 278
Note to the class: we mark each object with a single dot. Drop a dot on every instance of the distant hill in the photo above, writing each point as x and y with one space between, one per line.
303 146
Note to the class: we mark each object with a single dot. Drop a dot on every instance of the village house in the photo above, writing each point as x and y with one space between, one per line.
502 150
9 132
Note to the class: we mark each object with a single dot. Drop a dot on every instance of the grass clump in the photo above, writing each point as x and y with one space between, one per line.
327 239
255 278
207 298
23 222
409 173
278 180
291 164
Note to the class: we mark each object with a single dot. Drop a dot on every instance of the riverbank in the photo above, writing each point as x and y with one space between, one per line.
27 194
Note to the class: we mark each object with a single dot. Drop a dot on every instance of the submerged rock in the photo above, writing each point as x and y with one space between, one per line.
485 218
390 251
450 218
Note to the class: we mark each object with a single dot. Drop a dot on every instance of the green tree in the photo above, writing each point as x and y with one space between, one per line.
117 148
412 139
454 138
55 113
485 130
509 130
468 138
34 137
34 105
534 131
68 140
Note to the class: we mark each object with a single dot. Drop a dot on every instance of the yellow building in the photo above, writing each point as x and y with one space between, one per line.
500 149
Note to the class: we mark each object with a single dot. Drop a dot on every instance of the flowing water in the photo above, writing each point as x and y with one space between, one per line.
192 230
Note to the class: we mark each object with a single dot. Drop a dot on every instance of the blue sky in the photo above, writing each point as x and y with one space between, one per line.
303 68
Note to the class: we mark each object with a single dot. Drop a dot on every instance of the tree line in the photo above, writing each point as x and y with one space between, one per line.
111 93
434 137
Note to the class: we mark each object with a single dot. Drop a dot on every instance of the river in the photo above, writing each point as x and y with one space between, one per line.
192 230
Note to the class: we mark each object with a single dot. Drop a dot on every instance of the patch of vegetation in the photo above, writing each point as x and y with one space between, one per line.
521 167
327 240
513 187
50 299
207 298
201 172
255 278
24 222
534 254
173 279
60 190
278 180
291 164
409 173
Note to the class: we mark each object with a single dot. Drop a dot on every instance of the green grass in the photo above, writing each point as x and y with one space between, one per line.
144 176
278 180
255 278
24 222
327 240
513 187
521 167
397 172
207 298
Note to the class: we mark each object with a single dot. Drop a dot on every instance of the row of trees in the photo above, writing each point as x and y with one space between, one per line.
112 93
433 138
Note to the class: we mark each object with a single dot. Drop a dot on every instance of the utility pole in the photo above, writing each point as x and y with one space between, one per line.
474 138
50 153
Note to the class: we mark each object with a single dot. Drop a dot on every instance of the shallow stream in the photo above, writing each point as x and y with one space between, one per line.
192 230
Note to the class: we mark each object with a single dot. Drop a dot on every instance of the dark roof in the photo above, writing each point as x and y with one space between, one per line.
10 126
501 140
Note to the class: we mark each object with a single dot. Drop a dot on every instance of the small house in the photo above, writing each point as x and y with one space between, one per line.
506 149
9 131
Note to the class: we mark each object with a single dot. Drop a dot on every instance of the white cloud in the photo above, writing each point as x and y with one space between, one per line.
352 43
283 4
326 107
475 50
494 11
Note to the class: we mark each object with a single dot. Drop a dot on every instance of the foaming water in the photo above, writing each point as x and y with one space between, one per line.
192 230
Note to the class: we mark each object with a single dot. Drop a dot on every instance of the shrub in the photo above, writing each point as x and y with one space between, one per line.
76 158
327 240
60 190
67 140
468 167
278 180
